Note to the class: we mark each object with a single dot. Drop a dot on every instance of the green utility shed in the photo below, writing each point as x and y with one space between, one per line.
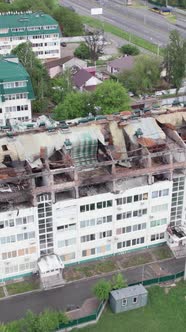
128 298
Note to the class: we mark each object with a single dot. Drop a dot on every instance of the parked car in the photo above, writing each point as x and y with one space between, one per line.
63 44
158 93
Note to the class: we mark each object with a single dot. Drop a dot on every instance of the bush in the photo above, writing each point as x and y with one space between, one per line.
129 49
82 51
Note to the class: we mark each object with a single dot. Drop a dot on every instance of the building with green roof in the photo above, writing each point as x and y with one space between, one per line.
38 28
16 92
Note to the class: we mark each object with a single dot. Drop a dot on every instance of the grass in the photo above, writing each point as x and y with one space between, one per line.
122 34
164 313
137 260
21 287
162 253
171 18
93 269
1 292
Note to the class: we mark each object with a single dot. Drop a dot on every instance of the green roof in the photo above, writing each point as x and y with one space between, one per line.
13 72
26 20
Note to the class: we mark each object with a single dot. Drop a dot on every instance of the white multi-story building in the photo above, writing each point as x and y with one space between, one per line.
16 91
40 29
93 190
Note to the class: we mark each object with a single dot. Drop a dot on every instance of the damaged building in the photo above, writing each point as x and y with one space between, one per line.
83 190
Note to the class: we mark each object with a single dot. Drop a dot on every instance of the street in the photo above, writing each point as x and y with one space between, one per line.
139 21
77 292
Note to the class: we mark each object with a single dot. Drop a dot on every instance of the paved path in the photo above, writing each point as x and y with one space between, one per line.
76 293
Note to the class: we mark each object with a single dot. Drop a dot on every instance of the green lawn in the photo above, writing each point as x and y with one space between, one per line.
21 287
162 253
164 313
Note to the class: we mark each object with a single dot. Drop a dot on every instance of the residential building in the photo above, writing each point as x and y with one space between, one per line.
16 92
40 29
84 80
119 65
89 189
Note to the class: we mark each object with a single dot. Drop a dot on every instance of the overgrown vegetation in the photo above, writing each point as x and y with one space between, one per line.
47 321
21 287
144 76
103 287
109 97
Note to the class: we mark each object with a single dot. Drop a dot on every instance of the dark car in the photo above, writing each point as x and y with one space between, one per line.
63 44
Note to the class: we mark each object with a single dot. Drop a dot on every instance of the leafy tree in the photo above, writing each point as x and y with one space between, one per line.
38 73
48 321
69 21
95 42
110 97
61 86
75 104
144 76
118 281
30 322
175 59
129 49
82 51
102 289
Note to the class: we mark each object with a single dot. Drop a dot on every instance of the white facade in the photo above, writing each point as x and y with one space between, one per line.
85 228
44 46
19 109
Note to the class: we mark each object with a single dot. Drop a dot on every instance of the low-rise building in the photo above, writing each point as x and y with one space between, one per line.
117 66
16 92
40 29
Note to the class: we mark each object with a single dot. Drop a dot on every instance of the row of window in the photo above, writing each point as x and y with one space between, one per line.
66 243
130 243
98 250
16 108
21 267
128 229
19 252
16 96
18 84
68 227
131 199
130 214
94 206
35 28
158 222
93 222
159 236
159 208
16 222
160 193
18 237
44 44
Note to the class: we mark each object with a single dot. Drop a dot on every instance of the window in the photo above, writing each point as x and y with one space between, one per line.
124 302
105 234
4 148
158 222
159 208
155 237
160 193
87 238
88 252
134 300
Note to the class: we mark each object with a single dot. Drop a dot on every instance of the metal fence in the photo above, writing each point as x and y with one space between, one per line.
94 316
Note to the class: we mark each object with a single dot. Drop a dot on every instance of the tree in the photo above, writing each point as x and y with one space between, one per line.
118 281
95 42
110 97
82 51
75 104
175 59
129 49
38 73
69 21
61 86
102 289
144 76
48 321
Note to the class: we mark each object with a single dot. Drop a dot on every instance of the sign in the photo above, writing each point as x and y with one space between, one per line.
96 11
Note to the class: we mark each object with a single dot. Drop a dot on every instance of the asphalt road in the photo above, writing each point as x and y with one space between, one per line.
77 292
139 21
